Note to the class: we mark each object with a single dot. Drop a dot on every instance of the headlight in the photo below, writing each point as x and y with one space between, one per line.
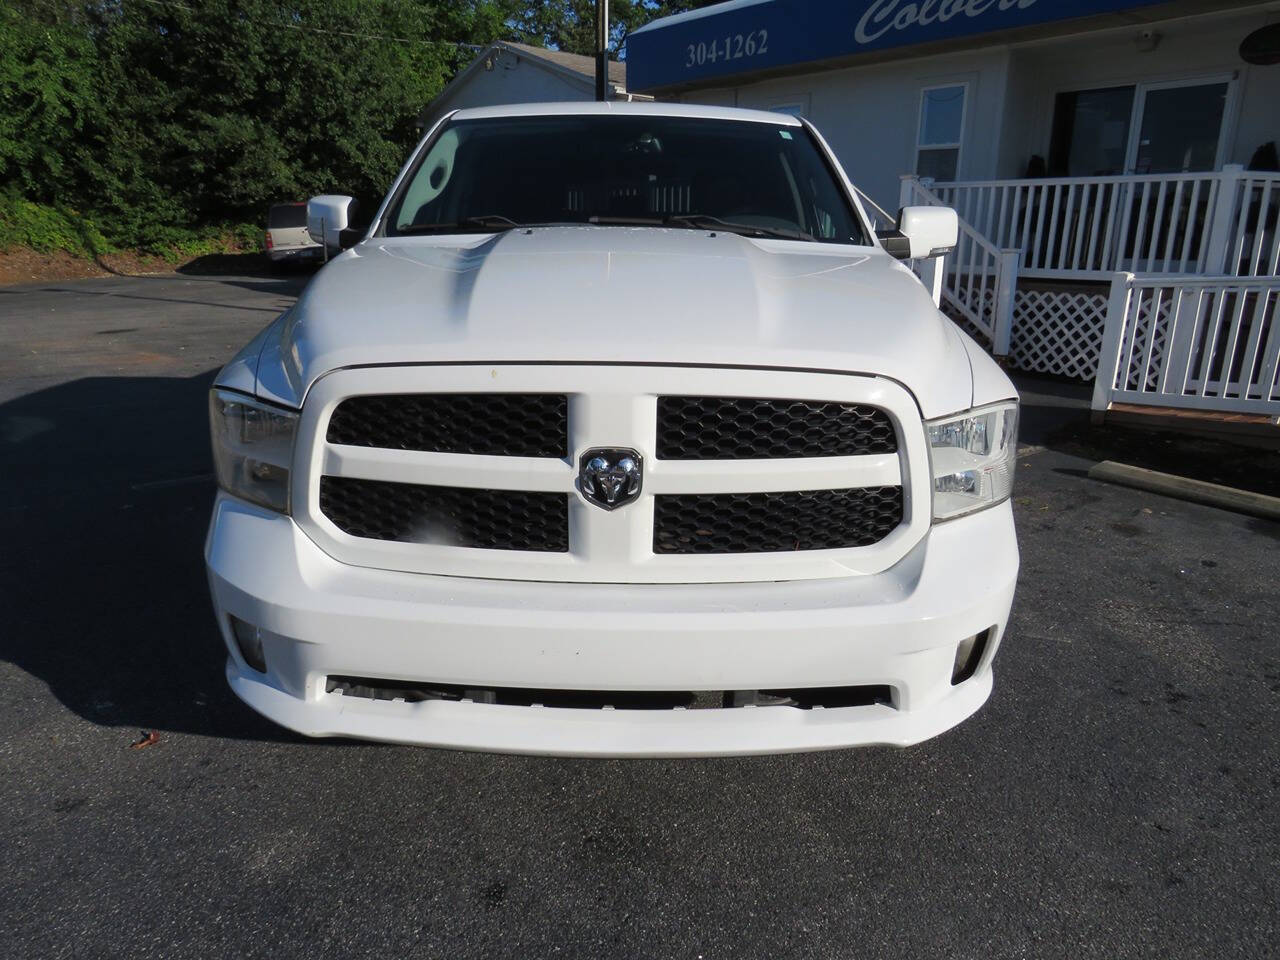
973 456
252 448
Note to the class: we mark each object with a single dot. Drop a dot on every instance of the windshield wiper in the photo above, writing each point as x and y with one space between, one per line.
705 220
486 223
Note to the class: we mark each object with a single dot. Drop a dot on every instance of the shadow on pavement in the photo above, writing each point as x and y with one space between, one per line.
282 288
106 490
1055 414
1048 405
235 267
250 271
289 284
224 264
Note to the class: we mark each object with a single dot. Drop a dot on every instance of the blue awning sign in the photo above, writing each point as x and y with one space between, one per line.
883 16
743 37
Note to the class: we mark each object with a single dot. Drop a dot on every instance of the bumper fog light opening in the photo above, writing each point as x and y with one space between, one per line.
968 655
249 643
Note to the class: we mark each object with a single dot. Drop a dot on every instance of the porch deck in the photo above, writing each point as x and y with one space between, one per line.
1042 275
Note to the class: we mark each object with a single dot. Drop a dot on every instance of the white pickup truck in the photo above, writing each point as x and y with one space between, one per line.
617 432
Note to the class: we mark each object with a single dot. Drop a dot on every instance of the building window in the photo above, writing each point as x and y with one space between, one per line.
941 129
1144 128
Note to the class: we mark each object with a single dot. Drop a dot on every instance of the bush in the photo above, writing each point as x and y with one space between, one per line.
46 229
180 243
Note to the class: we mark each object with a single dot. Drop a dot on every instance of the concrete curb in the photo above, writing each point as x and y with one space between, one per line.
1197 491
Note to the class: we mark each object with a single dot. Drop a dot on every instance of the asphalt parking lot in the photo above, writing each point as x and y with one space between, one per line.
1116 798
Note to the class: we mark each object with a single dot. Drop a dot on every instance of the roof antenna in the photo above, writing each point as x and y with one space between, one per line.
602 50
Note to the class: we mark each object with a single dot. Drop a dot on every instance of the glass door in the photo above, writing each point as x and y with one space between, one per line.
1179 126
1091 132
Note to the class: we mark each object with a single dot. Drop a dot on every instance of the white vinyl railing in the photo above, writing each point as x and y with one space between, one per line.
976 281
1254 249
1089 227
1206 343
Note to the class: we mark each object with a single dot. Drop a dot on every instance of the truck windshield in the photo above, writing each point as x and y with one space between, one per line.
759 179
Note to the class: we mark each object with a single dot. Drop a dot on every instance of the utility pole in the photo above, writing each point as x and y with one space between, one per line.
602 50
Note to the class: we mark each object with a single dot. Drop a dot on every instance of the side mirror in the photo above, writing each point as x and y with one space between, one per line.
329 222
923 232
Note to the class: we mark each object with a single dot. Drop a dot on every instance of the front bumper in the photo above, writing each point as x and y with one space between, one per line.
899 628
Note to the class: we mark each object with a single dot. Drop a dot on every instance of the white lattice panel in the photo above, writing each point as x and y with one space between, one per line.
1138 361
1057 331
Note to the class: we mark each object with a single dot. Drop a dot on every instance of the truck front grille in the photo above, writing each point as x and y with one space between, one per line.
494 424
447 516
775 522
754 428
475 470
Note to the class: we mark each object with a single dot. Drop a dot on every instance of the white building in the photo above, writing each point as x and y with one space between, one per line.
507 72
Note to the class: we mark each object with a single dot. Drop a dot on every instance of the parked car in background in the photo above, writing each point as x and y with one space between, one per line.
620 431
286 238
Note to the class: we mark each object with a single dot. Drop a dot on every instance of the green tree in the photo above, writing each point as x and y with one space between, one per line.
159 116
48 95
249 101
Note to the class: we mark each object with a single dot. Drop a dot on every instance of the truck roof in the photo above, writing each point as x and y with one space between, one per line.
593 108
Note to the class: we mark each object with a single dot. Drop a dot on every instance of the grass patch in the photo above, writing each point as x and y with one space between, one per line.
47 229
179 244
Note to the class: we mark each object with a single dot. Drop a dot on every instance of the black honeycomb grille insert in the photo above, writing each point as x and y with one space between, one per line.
451 516
494 424
775 522
749 428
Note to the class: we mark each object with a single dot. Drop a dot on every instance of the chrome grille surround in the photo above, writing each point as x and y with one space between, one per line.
614 406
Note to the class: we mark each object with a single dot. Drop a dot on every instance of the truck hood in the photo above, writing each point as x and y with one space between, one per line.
587 294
